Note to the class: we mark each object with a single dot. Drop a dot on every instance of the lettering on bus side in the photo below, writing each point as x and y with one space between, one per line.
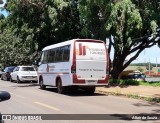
91 70
83 50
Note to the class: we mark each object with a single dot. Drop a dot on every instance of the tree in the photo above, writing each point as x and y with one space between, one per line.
34 24
44 22
129 24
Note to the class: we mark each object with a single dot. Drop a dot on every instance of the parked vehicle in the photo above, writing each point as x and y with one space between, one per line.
137 76
77 63
134 75
0 72
6 73
24 73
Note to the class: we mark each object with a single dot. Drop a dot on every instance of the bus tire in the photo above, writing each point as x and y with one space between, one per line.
60 88
42 86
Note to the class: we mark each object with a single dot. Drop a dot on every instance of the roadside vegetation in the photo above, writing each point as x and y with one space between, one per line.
123 83
154 84
127 82
33 24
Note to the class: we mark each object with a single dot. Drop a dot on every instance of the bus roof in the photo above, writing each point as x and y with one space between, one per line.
68 42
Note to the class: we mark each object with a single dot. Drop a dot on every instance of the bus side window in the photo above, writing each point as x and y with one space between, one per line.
45 57
58 57
51 56
42 57
66 53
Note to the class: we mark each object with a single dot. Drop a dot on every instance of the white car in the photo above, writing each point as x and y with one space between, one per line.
24 73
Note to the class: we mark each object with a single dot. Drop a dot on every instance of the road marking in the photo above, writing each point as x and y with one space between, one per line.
47 106
17 95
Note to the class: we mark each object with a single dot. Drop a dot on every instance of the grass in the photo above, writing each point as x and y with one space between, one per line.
134 96
152 99
154 84
121 82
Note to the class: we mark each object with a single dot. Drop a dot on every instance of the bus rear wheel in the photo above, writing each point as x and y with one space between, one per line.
42 86
60 88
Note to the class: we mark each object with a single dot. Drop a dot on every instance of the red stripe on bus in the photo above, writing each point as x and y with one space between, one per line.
84 50
76 81
80 48
105 81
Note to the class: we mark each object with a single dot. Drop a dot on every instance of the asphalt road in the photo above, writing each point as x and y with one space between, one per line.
28 98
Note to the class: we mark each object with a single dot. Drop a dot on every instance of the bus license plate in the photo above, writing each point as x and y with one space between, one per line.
91 82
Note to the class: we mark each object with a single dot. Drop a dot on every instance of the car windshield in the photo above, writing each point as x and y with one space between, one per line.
139 76
27 69
9 69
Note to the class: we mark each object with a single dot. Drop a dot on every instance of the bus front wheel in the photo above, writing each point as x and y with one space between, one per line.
42 86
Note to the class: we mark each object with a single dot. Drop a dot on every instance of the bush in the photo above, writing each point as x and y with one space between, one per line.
123 82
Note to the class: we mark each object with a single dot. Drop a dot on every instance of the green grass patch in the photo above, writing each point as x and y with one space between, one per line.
150 99
123 82
134 96
154 84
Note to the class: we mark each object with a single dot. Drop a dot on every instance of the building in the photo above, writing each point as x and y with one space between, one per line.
156 70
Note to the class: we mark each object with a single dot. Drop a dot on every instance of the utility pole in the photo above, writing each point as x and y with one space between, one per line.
156 66
149 67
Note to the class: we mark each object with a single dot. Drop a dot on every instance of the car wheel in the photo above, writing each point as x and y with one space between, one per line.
18 80
60 88
5 78
42 86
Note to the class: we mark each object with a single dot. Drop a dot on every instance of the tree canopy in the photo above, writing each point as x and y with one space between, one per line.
34 24
38 23
130 22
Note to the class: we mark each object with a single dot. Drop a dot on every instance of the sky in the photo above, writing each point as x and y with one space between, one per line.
148 55
3 11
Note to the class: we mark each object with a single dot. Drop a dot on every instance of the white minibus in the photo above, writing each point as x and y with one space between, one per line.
77 63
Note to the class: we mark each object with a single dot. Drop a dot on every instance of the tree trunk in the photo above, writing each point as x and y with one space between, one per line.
118 66
115 72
